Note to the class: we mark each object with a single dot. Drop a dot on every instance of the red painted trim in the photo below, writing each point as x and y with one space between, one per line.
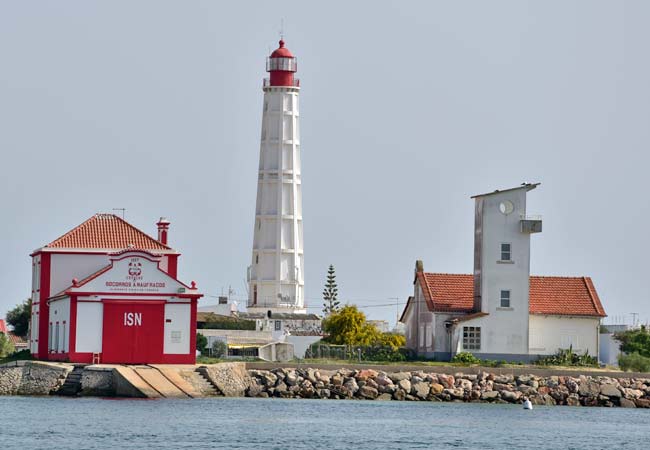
72 333
193 331
53 251
140 294
172 265
44 307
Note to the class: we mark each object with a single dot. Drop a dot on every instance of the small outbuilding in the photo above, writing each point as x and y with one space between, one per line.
107 292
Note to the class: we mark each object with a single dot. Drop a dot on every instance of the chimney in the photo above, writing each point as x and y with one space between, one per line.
163 229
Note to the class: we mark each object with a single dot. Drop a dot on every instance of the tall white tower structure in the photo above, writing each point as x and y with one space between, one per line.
275 277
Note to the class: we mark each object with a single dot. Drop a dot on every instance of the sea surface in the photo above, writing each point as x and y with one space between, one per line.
243 423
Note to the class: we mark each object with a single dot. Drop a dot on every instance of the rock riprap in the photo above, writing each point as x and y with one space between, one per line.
420 386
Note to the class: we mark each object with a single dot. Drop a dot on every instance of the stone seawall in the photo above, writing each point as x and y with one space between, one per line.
369 384
32 378
235 380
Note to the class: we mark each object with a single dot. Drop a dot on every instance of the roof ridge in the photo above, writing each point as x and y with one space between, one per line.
113 230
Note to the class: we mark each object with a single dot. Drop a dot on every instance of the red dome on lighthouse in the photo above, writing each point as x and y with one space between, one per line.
281 66
281 52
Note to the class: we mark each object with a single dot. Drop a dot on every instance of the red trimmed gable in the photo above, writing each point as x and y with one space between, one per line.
106 231
565 296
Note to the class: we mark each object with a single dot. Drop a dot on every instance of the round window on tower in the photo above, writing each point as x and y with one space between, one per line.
506 207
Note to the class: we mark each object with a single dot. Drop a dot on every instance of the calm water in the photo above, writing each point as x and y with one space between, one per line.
59 423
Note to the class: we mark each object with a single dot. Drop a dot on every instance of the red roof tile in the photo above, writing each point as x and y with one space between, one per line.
107 231
568 296
3 327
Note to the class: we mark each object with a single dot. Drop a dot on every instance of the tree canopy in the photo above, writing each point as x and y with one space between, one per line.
635 341
18 318
6 346
348 326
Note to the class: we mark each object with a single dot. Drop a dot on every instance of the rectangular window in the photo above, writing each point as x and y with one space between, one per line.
506 254
278 325
505 299
471 338
50 341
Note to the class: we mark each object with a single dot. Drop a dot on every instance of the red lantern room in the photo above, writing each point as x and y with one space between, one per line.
282 65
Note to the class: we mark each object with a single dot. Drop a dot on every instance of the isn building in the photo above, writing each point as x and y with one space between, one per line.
276 273
107 292
501 312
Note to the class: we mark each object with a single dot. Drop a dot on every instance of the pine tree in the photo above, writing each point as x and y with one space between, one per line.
330 301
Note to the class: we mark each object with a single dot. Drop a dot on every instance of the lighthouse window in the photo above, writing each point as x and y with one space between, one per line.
505 299
257 259
506 254
471 338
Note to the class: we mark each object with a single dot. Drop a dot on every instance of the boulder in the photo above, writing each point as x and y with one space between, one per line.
385 397
625 403
399 394
368 392
510 396
404 385
365 374
436 388
464 384
383 380
337 380
454 393
420 389
489 395
642 403
610 390
399 376
633 393
447 381
589 389
291 378
351 385
573 400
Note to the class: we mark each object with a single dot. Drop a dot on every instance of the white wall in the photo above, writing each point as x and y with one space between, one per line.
277 265
64 267
90 324
177 332
301 344
609 349
506 329
550 333
60 313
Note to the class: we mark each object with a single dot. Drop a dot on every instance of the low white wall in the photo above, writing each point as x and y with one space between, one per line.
550 333
301 344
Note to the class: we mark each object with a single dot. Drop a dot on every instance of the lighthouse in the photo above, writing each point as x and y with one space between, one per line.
276 273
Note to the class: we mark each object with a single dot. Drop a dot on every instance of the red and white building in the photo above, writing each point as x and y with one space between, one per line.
107 292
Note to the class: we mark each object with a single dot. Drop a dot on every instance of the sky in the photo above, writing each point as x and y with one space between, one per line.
407 109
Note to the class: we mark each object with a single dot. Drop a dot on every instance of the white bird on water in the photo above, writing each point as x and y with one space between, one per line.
527 404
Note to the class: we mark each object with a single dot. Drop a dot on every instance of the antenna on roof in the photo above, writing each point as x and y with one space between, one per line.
121 209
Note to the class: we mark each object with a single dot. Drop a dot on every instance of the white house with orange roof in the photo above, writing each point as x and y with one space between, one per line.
501 311
106 291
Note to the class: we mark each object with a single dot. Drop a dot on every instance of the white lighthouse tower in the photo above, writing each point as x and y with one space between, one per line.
275 277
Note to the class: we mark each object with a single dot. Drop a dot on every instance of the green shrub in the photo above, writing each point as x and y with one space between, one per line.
219 349
567 357
465 358
634 363
201 342
6 346
635 341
